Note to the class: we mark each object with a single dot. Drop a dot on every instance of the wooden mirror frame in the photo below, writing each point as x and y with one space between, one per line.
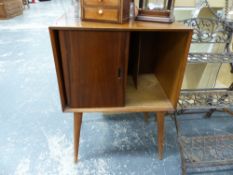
157 15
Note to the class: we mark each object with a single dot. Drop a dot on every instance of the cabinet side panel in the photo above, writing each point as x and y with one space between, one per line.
58 65
172 61
95 67
65 60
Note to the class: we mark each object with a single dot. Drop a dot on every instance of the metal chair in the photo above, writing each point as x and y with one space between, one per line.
206 31
26 3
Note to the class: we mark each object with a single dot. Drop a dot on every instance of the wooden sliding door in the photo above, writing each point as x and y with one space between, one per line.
93 64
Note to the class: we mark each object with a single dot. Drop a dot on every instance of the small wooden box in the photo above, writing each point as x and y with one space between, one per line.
115 11
10 8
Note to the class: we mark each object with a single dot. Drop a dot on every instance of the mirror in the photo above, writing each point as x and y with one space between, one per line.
154 5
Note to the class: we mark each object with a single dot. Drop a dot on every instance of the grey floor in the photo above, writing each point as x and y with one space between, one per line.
36 137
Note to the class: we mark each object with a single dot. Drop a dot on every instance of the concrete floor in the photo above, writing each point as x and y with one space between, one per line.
36 137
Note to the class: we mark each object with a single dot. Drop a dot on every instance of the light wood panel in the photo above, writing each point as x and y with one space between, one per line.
149 94
115 11
171 63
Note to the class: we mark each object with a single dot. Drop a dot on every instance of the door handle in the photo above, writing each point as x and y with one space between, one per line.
119 73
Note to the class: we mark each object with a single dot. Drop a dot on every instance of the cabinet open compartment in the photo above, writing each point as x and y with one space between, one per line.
156 66
148 95
121 70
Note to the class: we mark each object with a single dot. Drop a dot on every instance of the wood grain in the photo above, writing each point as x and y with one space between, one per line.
160 126
154 13
92 63
101 2
150 48
58 64
77 129
115 11
167 60
171 62
149 93
94 71
165 54
69 22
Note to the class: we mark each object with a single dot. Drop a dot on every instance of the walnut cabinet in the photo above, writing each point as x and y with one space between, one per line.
132 67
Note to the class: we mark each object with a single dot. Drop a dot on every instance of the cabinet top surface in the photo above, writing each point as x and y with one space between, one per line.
69 22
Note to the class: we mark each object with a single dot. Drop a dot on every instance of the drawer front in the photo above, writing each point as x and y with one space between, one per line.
102 2
101 14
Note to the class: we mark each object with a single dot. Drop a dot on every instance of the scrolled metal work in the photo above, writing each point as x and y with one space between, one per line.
207 151
210 58
207 30
205 99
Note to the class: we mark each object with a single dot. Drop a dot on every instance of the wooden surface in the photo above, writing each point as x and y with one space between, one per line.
158 13
148 97
148 94
171 62
93 67
77 129
106 3
69 22
91 13
160 139
165 55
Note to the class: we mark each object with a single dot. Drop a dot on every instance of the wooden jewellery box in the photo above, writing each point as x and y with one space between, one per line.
114 11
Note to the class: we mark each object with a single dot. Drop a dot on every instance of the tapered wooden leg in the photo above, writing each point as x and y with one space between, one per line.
77 128
146 116
160 126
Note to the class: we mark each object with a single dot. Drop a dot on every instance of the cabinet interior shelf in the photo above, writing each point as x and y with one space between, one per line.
149 96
